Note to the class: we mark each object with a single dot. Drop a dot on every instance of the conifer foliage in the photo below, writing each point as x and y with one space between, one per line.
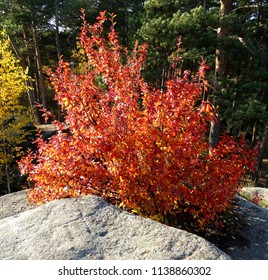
140 148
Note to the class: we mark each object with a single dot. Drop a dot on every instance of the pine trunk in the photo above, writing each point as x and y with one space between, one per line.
57 37
41 80
221 66
57 29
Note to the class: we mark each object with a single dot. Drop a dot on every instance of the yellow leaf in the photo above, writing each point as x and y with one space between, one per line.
65 101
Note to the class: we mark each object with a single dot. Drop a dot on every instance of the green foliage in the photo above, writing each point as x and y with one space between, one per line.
242 101
197 28
162 29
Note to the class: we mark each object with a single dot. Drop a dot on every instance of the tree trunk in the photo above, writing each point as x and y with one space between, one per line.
205 4
41 80
6 168
262 152
26 40
57 37
214 133
221 66
57 29
25 65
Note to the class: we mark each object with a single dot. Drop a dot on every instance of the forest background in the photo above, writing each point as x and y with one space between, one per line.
232 36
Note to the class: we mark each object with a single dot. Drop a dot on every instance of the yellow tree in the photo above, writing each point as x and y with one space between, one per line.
13 116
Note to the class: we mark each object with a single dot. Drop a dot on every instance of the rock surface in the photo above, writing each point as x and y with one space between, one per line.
90 228
14 203
251 240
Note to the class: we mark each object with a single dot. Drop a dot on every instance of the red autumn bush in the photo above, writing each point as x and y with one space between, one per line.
143 149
